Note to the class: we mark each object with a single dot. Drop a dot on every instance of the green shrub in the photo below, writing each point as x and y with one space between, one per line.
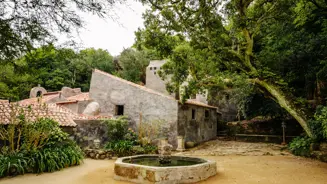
13 164
300 146
53 159
120 147
117 128
150 149
321 116
317 130
39 146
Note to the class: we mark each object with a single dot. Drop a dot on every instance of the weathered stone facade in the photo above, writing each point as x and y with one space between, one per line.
202 127
87 131
139 103
142 104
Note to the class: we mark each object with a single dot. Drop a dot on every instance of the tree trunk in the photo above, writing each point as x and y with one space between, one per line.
286 104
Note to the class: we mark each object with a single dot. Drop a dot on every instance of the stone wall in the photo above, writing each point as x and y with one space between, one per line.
139 103
199 129
87 131
77 107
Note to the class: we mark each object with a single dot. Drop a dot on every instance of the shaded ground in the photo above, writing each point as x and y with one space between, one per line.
232 168
221 148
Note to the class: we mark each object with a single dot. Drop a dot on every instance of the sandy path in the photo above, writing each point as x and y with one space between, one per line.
231 170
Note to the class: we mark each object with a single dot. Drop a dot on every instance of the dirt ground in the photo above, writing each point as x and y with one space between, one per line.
222 148
244 164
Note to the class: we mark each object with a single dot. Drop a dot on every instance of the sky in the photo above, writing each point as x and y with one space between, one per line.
111 35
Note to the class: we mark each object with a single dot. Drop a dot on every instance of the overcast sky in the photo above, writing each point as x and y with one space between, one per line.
109 34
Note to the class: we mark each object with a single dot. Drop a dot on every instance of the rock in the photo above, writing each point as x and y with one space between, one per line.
92 155
114 158
92 109
108 155
189 144
102 157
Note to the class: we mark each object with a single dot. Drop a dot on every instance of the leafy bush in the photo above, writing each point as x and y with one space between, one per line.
150 149
36 147
53 159
117 128
13 164
121 147
321 116
317 130
124 141
300 146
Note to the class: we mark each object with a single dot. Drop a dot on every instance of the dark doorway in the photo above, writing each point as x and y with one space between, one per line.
193 114
119 110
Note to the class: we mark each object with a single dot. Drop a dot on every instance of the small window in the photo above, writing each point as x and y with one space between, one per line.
150 68
206 113
154 68
155 73
119 110
39 93
193 114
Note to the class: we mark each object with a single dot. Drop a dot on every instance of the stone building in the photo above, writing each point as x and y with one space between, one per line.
194 120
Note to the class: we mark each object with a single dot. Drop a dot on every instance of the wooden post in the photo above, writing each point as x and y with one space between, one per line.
283 126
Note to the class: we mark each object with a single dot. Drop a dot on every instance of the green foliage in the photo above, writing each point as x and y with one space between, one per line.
133 64
13 164
117 128
301 146
21 31
36 147
120 147
52 68
150 149
319 124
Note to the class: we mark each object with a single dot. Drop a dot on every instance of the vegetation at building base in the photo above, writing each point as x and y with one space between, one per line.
305 146
124 141
36 147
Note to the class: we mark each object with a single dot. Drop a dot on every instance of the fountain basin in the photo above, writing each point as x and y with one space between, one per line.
147 169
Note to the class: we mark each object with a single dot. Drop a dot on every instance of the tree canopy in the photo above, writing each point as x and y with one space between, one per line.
276 48
25 24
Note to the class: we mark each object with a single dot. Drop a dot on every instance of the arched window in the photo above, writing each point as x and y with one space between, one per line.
39 93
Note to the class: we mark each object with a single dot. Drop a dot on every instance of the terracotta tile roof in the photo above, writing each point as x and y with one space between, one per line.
45 98
133 84
194 102
79 97
63 116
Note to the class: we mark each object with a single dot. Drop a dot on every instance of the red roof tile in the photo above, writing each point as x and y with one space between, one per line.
37 100
79 97
63 116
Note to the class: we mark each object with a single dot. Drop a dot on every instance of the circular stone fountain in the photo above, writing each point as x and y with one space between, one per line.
151 169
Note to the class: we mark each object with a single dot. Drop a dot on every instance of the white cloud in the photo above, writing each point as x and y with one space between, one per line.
109 34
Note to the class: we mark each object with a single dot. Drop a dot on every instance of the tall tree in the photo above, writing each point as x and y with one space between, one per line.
228 36
27 23
133 63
